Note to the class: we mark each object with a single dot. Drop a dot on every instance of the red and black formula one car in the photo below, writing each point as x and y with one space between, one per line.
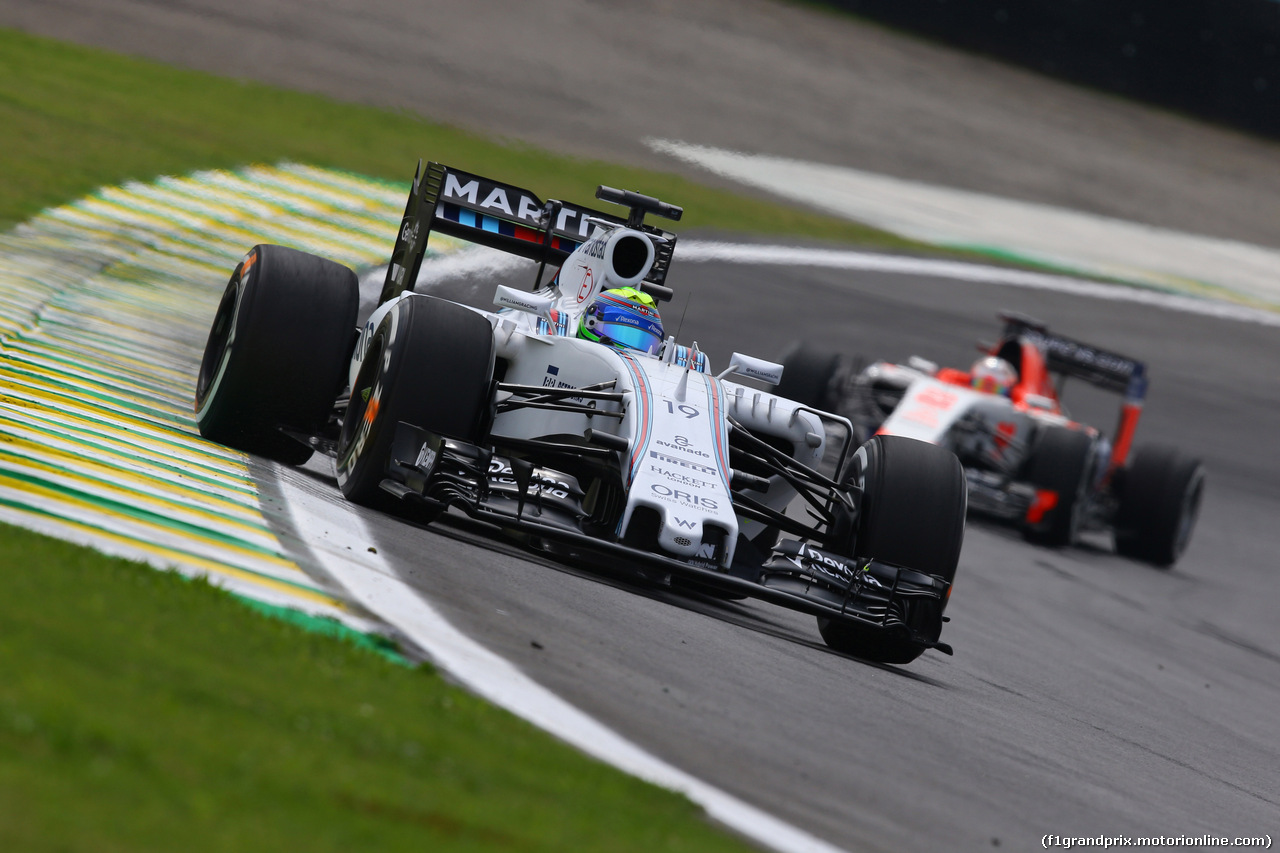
1025 459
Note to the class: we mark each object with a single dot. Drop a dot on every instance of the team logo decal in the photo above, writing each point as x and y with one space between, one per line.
588 285
680 496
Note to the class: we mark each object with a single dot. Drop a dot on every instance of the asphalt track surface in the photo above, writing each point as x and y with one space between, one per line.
1088 695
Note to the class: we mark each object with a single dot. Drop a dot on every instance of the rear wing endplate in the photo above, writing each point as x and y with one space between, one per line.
500 216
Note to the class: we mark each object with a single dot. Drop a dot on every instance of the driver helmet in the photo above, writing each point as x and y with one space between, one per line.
625 318
993 375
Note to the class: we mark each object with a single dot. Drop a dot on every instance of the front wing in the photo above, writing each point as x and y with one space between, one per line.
871 594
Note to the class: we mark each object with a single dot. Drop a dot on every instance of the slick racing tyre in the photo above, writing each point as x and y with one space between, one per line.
277 352
913 507
1061 462
1160 492
429 364
807 376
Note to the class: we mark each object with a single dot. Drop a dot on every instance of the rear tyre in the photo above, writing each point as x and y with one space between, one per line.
1160 493
807 374
277 352
429 364
913 507
1061 462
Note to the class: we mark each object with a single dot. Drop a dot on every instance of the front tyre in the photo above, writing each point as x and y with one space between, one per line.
1160 493
277 352
807 376
914 499
429 364
1062 462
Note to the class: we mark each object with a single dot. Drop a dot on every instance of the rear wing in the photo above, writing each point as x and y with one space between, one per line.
500 216
1098 367
1068 357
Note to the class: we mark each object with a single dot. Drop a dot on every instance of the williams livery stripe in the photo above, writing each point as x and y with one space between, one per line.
716 403
561 328
645 422
493 224
690 358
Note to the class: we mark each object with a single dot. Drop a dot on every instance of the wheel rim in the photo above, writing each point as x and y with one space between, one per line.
1189 512
358 408
220 336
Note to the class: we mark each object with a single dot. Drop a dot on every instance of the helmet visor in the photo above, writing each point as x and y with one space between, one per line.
646 337
988 385
623 324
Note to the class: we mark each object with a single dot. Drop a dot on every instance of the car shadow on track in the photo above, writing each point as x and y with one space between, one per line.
746 614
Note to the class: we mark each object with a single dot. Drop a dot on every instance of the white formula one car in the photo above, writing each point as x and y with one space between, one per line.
566 417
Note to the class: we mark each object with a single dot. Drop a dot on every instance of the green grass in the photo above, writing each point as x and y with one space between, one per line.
75 119
141 711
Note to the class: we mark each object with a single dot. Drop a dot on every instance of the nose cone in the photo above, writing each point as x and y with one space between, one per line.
680 536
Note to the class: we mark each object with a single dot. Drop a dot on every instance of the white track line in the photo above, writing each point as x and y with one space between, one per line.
340 541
